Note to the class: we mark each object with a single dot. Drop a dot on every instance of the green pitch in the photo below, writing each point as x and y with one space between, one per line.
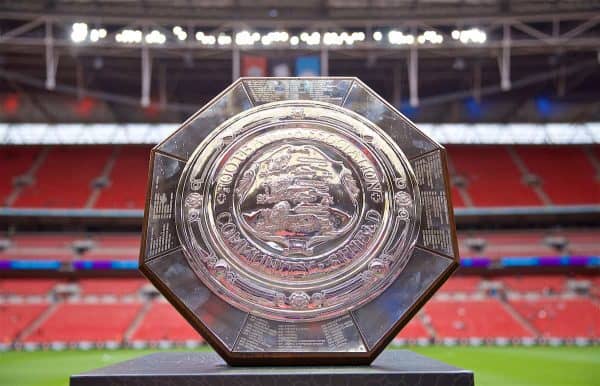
493 366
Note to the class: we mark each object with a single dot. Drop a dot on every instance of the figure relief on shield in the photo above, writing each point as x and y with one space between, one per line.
296 197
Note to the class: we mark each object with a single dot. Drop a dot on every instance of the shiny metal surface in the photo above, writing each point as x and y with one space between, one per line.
298 210
379 316
219 318
298 221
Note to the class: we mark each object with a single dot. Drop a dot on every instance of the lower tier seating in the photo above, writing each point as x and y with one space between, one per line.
75 322
473 319
414 330
14 318
561 318
163 322
529 306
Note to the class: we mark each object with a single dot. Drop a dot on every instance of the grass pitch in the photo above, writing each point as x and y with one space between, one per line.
493 366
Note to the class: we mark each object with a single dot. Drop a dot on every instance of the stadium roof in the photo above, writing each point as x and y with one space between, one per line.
425 54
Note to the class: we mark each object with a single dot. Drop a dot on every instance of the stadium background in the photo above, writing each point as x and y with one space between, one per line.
509 86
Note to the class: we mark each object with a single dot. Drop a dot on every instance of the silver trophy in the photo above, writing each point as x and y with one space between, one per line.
298 221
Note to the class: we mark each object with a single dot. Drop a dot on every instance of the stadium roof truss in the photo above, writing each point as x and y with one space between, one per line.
511 28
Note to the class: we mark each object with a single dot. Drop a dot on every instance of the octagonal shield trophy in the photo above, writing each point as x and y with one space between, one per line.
298 221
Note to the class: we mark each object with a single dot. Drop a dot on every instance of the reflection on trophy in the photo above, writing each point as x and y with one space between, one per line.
288 197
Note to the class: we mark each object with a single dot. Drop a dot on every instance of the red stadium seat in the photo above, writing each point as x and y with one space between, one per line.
129 180
110 255
75 322
567 175
508 244
114 247
15 317
26 287
118 240
561 318
534 283
32 246
65 178
583 242
457 200
163 322
15 162
467 284
486 167
414 330
44 240
117 287
473 318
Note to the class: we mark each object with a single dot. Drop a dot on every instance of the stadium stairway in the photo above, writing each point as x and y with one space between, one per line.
518 317
103 179
15 319
426 321
36 323
137 321
460 195
527 177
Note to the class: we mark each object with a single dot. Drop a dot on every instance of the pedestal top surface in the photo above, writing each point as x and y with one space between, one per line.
392 367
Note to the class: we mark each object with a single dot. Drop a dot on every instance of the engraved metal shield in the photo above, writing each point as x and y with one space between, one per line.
298 221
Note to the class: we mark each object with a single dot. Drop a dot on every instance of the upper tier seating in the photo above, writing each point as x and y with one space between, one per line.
473 318
65 178
163 322
15 162
73 322
128 180
567 175
564 318
457 200
16 317
492 176
485 167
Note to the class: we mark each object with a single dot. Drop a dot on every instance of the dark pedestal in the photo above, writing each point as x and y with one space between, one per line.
391 368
